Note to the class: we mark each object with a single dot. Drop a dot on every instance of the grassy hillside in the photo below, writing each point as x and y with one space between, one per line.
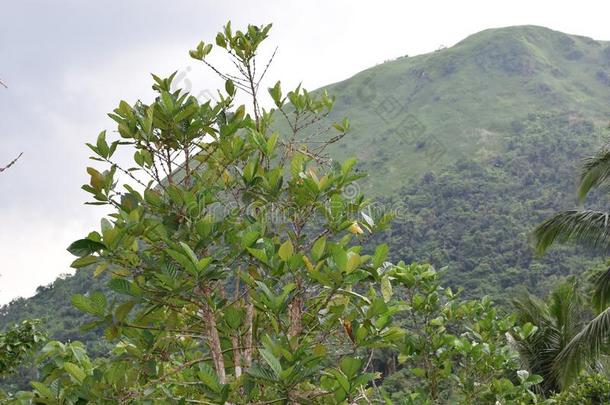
473 145
417 114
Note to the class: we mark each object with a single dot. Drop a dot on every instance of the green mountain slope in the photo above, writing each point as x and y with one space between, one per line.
471 146
417 114
474 145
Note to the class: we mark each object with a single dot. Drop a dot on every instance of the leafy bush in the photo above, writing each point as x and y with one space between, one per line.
590 389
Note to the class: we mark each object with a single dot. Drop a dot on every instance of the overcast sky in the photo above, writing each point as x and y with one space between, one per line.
68 63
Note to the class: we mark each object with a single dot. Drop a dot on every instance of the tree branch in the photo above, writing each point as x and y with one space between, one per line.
12 162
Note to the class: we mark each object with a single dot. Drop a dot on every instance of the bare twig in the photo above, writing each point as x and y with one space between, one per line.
12 163
266 68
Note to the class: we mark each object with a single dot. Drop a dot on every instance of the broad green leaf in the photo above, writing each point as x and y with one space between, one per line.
317 250
259 254
83 303
286 250
44 391
386 288
75 371
353 261
350 366
249 238
340 258
85 247
380 255
84 262
183 260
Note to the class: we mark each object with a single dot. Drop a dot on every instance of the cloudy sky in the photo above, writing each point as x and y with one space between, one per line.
68 63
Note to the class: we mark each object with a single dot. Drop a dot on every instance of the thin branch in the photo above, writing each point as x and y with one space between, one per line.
266 68
12 162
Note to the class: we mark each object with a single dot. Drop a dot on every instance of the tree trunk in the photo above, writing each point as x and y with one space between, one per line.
295 312
249 332
213 338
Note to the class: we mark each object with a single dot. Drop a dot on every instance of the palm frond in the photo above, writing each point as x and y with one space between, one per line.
584 348
596 171
558 320
587 227
530 308
601 294
539 351
566 307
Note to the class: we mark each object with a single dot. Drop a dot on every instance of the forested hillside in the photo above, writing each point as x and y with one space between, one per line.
471 146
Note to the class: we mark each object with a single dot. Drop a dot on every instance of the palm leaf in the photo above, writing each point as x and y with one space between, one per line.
565 308
601 294
558 321
539 351
584 348
587 227
596 171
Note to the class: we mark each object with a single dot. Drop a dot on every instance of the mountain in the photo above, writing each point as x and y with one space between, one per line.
474 145
470 146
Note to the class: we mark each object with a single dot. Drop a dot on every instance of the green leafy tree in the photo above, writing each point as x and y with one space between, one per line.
17 343
455 351
233 246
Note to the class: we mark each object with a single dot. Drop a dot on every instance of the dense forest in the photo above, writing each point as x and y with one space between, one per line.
256 271
477 217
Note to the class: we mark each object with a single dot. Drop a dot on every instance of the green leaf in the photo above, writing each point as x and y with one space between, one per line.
189 252
43 390
220 40
85 247
340 258
386 288
249 238
271 142
75 371
259 254
272 361
184 261
276 94
233 317
317 250
286 250
123 310
209 377
84 262
380 254
230 87
350 366
82 303
341 379
122 286
203 263
102 146
261 373
98 302
418 372
353 261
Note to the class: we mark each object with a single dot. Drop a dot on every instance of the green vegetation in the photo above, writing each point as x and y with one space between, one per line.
241 264
476 217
